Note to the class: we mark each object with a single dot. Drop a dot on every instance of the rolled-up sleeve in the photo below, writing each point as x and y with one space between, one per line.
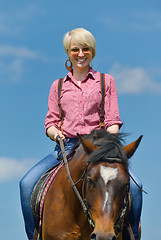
52 117
111 103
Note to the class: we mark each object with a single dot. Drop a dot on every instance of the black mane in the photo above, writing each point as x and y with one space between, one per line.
110 147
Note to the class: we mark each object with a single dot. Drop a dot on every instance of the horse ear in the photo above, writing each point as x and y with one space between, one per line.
131 148
88 146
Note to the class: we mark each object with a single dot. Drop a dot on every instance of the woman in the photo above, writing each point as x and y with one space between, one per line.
80 102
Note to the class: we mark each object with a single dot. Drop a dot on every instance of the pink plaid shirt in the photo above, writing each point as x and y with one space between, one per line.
81 105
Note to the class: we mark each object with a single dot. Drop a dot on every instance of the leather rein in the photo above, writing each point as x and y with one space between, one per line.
85 208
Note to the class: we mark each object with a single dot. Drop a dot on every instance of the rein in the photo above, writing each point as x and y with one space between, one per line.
85 209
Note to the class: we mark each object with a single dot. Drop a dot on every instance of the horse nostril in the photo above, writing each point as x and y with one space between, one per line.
93 236
98 236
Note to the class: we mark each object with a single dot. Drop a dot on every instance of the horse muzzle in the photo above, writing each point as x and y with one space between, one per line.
101 236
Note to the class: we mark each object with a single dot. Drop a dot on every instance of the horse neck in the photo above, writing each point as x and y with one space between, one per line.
78 164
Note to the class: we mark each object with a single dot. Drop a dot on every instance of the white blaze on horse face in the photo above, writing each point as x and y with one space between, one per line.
105 202
108 173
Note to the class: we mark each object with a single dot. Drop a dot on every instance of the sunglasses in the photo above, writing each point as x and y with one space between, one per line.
76 51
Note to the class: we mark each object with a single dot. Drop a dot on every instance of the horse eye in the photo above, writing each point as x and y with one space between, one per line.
90 182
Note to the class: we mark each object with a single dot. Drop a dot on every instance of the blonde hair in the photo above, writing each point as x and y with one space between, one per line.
80 36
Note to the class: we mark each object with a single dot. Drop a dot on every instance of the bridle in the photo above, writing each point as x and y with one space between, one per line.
120 222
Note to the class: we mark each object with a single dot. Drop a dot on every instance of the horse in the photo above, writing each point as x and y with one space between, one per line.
99 169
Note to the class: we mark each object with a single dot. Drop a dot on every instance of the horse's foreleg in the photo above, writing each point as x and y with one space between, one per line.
68 234
74 234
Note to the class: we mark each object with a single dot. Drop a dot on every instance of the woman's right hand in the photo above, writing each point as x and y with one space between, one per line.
59 133
53 132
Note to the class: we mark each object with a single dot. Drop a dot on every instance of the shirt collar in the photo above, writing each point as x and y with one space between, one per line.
90 73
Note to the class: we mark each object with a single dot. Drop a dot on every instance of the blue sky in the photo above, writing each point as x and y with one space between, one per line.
128 36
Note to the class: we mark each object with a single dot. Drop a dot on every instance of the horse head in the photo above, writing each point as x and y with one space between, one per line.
107 183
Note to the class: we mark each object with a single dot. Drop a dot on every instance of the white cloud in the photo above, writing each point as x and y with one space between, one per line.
135 80
11 168
14 20
20 52
149 20
11 72
29 11
13 60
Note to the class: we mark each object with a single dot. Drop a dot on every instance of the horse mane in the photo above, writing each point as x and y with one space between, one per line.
110 147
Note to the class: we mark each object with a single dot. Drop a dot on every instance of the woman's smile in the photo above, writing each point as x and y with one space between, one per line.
81 60
80 55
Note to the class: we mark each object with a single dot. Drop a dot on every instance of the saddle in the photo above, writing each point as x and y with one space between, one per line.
42 186
40 191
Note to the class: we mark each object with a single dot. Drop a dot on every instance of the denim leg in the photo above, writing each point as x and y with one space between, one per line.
135 212
67 146
26 187
30 179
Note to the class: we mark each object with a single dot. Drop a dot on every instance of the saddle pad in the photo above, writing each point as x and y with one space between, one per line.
40 191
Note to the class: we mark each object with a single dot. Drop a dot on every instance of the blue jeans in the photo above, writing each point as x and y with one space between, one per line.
30 179
135 212
28 182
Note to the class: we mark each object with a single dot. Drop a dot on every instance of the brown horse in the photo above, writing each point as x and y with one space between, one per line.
100 170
